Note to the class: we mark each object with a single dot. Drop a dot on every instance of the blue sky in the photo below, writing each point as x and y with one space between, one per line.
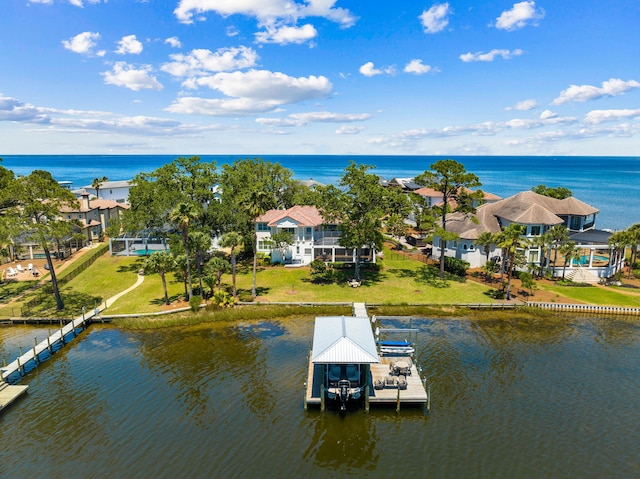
536 77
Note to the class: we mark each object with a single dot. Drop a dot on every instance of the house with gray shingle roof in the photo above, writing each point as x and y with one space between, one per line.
537 213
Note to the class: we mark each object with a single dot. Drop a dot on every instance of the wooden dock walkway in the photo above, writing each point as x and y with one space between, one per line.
49 345
360 310
13 371
9 394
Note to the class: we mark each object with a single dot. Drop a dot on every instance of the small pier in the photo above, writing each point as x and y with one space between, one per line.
27 361
9 393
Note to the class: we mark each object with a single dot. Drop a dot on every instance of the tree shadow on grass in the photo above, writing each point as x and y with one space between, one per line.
73 303
160 301
134 267
424 274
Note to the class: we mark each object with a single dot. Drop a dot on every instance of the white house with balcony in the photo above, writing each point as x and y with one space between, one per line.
537 213
312 238
117 191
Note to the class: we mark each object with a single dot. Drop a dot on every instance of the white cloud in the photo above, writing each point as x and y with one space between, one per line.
128 76
519 16
80 121
287 34
490 56
435 19
369 70
547 114
201 61
599 116
266 10
524 105
129 44
417 67
301 119
12 109
349 130
255 91
581 93
83 43
174 42
76 3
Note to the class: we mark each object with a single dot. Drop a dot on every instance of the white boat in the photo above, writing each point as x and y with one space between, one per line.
401 348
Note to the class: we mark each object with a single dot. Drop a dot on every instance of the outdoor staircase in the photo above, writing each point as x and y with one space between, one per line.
581 275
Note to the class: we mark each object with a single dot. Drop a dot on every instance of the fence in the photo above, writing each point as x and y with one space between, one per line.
77 268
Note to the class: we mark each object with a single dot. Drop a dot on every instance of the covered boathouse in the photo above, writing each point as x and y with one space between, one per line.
344 363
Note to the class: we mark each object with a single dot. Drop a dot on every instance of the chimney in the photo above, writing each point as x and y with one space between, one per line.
84 202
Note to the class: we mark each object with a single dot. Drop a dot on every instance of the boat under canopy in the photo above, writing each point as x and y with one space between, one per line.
344 347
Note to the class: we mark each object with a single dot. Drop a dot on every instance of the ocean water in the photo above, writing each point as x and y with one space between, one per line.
611 184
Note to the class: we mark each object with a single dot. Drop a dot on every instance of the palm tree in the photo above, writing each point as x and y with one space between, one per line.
569 251
183 214
558 234
215 268
256 203
543 241
232 240
511 240
485 240
161 262
97 184
200 243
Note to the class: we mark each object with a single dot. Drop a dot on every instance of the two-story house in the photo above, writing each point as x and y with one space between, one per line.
312 237
537 213
93 217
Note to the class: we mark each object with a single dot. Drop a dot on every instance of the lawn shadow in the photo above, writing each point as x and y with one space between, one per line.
160 301
134 267
424 274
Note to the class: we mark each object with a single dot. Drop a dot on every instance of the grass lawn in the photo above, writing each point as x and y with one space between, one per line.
606 296
394 280
400 280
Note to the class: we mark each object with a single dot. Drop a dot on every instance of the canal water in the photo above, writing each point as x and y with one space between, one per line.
528 399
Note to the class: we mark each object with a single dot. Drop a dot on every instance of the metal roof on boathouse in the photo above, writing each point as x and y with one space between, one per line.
344 340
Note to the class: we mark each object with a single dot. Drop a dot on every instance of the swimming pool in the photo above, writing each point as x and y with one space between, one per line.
584 259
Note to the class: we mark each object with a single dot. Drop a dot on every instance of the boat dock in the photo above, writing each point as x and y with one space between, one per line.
388 380
415 392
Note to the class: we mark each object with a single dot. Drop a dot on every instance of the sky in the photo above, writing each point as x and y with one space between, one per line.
343 77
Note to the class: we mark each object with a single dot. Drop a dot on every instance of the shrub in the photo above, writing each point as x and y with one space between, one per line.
320 272
223 298
194 302
456 266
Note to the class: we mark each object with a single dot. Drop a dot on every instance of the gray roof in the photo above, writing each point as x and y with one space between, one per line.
105 185
343 340
591 237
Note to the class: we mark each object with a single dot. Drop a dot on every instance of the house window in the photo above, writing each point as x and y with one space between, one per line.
263 227
534 256
575 223
68 217
264 245
535 230
79 216
307 251
464 247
